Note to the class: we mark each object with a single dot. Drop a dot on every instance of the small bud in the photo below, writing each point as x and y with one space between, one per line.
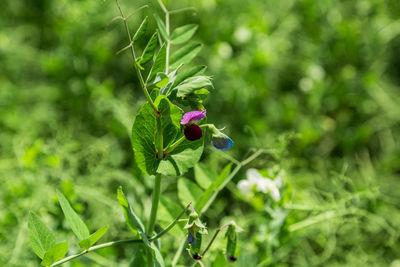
231 258
197 256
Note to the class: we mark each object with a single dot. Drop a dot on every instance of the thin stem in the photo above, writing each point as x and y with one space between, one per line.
175 145
139 74
214 236
172 224
109 244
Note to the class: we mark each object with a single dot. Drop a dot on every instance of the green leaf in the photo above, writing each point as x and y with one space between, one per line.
192 84
188 191
54 254
141 30
167 212
75 222
161 27
149 50
194 71
133 221
208 196
204 175
144 136
183 34
40 237
93 238
160 80
184 55
159 63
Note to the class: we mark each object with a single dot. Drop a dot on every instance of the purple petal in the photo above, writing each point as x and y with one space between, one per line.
193 132
192 116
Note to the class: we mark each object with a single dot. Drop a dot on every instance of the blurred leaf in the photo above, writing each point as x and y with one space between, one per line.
161 27
184 55
149 50
93 238
168 211
183 33
208 196
134 223
204 175
159 63
188 191
194 71
141 30
189 85
41 238
75 222
54 254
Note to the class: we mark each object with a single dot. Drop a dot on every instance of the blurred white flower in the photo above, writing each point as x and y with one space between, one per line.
253 176
244 186
262 184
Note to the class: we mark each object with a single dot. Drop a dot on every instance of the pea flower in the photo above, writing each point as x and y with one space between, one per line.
194 226
192 131
221 141
218 139
262 184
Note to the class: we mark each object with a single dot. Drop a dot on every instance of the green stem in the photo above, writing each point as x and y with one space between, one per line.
153 215
214 237
139 74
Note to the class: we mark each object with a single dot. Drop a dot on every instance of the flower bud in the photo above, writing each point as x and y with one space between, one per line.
193 132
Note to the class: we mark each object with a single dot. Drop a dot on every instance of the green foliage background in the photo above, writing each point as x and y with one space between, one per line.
315 82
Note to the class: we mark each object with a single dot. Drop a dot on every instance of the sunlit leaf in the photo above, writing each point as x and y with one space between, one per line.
141 30
40 237
74 221
54 254
161 27
183 34
93 238
149 50
194 71
190 85
144 135
184 55
159 63
133 221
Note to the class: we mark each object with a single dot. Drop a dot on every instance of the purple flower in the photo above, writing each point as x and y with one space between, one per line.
192 116
193 132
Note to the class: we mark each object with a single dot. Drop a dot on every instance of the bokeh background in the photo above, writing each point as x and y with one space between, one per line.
316 83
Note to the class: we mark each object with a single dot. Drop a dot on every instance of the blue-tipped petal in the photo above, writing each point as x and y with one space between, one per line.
222 142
